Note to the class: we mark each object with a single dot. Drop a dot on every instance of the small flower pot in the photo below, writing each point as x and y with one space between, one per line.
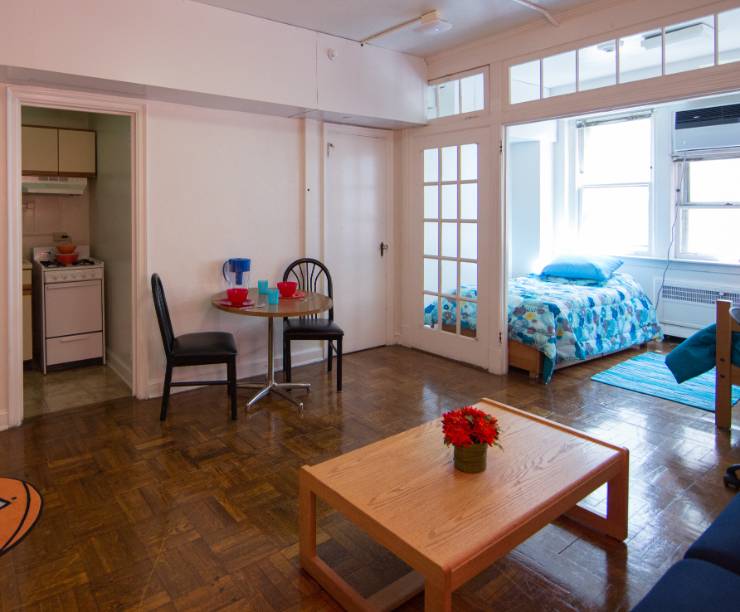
471 459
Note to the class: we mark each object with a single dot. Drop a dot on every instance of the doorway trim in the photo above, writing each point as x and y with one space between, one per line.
390 281
16 97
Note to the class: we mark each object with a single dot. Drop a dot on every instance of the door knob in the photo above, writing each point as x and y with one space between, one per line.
383 248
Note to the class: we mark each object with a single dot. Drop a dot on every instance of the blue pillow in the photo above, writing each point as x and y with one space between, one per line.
578 267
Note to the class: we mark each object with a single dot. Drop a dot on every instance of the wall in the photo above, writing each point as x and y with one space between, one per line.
221 184
523 184
111 234
172 46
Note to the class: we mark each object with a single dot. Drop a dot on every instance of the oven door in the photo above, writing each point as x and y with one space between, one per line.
73 308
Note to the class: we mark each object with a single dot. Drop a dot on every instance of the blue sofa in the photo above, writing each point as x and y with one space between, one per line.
708 577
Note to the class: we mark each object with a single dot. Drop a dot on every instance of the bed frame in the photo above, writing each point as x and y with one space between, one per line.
530 359
525 358
728 321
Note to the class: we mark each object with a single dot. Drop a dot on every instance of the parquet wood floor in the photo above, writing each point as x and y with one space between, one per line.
201 512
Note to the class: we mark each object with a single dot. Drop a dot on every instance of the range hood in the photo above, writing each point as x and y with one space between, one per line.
54 185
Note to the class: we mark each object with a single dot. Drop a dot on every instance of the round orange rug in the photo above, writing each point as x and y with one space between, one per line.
20 508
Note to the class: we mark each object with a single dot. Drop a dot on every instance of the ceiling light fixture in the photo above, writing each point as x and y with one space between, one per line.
428 23
432 23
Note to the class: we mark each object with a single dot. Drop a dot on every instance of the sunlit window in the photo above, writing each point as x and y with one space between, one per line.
709 209
464 94
614 183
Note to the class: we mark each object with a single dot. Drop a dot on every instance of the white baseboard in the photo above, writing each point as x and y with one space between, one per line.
245 368
122 367
3 421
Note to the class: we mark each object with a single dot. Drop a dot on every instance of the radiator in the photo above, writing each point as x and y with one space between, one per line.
688 306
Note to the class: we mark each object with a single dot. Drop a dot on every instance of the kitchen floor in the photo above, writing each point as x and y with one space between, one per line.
71 388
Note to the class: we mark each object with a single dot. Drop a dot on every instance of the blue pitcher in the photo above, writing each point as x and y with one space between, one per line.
236 272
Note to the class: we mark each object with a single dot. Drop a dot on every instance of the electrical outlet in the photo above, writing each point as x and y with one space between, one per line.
60 236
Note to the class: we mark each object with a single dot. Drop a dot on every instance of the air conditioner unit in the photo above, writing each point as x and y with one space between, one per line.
716 127
686 306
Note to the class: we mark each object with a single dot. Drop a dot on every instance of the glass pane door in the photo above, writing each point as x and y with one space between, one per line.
450 244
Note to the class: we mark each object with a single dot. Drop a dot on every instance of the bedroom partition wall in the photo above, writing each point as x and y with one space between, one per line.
585 42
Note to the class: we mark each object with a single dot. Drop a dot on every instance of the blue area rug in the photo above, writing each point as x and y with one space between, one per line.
648 374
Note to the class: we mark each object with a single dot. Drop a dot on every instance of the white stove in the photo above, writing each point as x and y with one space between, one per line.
69 311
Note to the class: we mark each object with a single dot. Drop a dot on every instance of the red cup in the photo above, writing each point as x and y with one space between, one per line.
237 296
287 288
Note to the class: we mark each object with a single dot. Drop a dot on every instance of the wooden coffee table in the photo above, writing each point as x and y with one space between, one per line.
447 525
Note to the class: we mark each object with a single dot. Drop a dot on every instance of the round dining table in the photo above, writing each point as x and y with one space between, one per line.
308 304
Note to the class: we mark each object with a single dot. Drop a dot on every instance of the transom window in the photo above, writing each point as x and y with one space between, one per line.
689 45
451 239
614 182
709 207
456 96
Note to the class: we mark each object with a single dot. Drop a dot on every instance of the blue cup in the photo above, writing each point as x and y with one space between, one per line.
262 286
273 296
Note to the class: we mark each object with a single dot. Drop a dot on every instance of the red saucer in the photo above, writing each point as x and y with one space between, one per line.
296 296
226 302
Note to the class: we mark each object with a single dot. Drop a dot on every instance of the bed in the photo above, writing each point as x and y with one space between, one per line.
555 322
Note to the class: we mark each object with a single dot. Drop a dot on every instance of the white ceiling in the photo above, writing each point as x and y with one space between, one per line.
358 19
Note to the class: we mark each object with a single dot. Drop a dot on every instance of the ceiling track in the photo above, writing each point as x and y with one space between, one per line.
540 9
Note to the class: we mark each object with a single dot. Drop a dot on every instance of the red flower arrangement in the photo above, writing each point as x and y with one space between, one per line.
467 426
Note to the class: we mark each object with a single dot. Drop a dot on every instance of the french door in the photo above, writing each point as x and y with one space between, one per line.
449 269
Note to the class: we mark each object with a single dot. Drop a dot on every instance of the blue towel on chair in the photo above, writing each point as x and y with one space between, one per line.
697 354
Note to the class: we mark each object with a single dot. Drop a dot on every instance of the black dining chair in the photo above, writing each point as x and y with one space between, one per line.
200 348
309 274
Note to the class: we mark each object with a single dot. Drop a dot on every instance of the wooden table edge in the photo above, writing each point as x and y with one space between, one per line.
387 538
554 425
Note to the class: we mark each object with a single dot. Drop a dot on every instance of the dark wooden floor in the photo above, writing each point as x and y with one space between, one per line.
200 512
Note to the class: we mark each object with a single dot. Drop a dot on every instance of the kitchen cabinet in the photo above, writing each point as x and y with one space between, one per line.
27 315
58 151
76 152
40 150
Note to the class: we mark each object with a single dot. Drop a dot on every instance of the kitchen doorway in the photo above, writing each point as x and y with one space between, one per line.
74 162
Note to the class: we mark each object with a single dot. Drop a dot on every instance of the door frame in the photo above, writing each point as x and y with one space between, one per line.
478 350
16 97
391 254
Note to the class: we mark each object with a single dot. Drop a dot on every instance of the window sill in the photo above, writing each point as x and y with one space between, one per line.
684 264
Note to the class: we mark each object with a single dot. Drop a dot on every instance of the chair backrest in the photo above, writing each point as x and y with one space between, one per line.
309 273
163 314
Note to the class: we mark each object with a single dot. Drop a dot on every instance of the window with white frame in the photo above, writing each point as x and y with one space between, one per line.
709 206
459 95
701 42
614 184
451 239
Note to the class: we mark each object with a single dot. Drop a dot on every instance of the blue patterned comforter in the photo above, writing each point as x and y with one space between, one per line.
571 320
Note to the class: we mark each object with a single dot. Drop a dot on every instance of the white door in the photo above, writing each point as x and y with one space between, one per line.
449 283
357 188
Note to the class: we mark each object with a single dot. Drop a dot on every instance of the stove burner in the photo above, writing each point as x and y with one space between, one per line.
56 264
